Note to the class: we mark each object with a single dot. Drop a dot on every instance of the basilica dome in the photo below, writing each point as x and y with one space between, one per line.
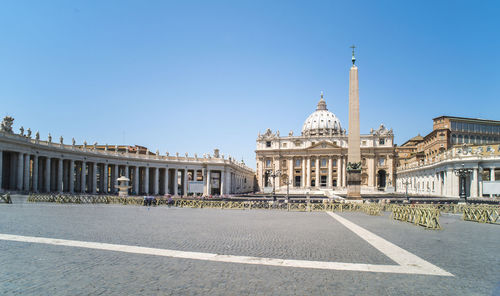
321 122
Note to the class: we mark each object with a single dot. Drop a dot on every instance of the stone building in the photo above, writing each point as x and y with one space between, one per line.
32 165
315 161
447 132
437 176
427 165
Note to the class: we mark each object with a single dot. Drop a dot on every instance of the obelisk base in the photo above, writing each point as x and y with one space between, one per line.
354 184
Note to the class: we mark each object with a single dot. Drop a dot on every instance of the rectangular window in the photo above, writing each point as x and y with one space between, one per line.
297 181
324 162
298 162
334 163
313 163
381 142
268 163
284 145
459 126
453 126
268 144
381 161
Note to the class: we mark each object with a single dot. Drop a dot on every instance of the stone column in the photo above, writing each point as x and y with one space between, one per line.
71 176
35 173
157 181
209 186
47 174
344 172
176 182
83 178
94 177
115 178
185 183
59 175
105 178
303 179
340 173
330 168
290 171
223 182
166 181
136 180
65 176
20 166
492 174
317 172
474 183
26 178
146 180
308 172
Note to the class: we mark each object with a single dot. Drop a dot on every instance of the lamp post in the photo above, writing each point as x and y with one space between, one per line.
406 183
462 173
274 174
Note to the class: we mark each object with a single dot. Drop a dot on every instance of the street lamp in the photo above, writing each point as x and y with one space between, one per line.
274 174
462 173
406 183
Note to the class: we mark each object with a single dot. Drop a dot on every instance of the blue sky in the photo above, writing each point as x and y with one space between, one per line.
191 76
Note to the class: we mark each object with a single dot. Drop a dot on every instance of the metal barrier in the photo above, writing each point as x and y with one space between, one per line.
6 198
372 209
482 213
425 216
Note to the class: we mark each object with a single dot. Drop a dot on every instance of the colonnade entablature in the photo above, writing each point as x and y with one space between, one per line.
34 165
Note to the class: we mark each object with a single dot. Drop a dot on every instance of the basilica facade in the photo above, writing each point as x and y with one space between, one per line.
315 161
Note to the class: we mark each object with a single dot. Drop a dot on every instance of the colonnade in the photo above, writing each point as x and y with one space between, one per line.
29 172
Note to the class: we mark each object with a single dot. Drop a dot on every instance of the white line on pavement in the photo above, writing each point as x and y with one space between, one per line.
399 255
409 263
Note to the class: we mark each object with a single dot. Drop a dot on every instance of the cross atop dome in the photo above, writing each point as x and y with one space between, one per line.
321 103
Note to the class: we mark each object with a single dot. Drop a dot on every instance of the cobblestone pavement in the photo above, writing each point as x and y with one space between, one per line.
466 249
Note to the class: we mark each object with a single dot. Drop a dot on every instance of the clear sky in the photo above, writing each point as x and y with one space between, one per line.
187 76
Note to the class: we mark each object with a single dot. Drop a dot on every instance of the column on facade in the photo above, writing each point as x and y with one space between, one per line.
449 182
185 183
176 182
136 180
26 177
20 166
371 169
94 178
492 174
308 172
35 173
105 178
303 179
115 177
339 171
71 176
344 172
146 180
156 181
83 178
47 174
59 175
317 172
330 168
166 181
474 183
223 182
290 171
209 189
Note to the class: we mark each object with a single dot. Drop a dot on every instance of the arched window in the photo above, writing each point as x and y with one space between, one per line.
453 139
460 139
466 139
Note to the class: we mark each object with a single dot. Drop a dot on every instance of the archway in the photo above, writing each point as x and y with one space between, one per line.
381 179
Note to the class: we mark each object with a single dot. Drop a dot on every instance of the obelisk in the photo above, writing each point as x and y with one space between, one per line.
354 150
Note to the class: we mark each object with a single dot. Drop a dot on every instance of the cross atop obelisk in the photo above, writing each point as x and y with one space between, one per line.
353 138
353 58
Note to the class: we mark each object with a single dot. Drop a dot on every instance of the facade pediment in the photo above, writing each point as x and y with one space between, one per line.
323 145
